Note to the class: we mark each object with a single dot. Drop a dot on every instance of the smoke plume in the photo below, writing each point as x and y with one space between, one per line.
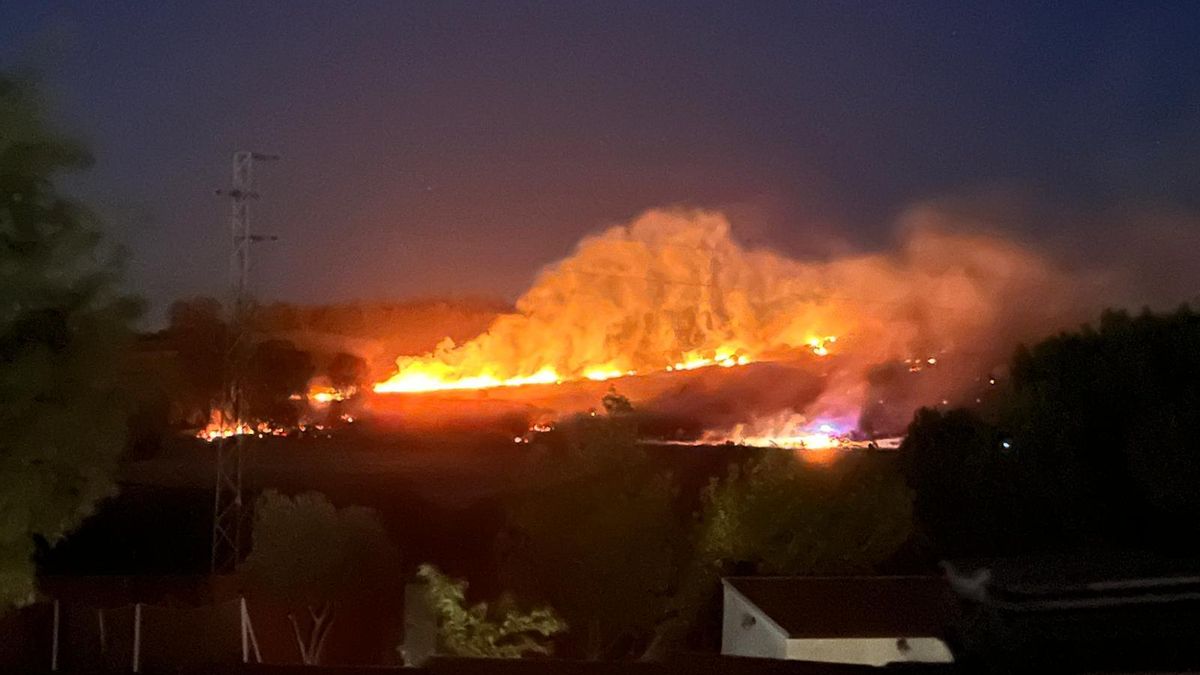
674 290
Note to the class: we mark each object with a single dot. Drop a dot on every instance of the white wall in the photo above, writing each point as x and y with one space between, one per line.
746 631
420 625
868 651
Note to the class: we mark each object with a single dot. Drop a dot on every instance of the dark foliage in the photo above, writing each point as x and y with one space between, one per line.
596 537
1094 442
199 336
64 329
277 372
347 372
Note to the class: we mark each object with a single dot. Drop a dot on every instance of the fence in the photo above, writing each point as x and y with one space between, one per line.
136 638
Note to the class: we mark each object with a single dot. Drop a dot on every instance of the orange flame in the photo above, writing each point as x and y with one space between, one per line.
219 427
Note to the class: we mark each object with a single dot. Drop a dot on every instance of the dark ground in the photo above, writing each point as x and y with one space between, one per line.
441 495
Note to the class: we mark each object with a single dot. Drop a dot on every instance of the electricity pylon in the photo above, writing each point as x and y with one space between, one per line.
227 493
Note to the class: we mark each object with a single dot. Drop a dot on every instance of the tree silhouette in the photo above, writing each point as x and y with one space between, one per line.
1094 441
276 372
347 372
63 329
199 336
963 481
599 539
308 553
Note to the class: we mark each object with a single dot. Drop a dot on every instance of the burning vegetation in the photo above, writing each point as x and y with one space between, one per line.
674 291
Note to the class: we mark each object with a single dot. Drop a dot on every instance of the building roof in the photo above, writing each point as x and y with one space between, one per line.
832 607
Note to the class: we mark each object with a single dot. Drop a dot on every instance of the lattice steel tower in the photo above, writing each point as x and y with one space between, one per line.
227 494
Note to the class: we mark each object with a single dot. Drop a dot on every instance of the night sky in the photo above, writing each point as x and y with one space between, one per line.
446 147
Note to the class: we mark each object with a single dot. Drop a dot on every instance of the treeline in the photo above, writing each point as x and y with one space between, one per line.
194 358
1093 442
604 553
181 372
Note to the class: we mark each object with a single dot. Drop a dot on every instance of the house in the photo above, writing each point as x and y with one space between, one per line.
854 620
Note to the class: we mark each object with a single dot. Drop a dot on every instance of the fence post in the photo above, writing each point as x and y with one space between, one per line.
245 633
137 637
54 642
249 641
103 631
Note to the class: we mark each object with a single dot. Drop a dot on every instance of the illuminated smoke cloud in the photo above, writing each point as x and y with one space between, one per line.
674 290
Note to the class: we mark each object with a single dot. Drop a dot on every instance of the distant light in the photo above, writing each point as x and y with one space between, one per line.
931 361
1006 444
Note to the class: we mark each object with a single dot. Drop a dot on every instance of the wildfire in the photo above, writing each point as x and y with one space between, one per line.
787 431
219 427
436 377
808 441
602 374
674 291
670 292
820 345
813 442
325 395
424 376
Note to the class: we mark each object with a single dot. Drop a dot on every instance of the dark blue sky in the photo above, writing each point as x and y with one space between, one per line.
455 147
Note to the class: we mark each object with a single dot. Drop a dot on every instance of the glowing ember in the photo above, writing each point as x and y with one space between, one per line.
534 431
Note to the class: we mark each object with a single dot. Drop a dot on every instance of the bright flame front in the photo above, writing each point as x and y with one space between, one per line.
422 375
435 377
